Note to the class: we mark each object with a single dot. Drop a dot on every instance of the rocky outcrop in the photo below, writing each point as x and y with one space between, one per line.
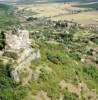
80 89
41 96
18 47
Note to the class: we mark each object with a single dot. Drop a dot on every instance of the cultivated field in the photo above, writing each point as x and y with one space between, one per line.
61 11
90 17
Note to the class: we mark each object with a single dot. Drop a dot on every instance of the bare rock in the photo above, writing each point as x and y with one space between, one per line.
18 47
41 96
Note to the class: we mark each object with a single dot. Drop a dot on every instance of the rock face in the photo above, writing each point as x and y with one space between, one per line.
18 47
16 42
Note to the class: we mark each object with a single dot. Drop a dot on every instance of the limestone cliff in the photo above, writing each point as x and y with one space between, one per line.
18 48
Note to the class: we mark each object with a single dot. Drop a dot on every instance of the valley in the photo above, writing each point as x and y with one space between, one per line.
56 12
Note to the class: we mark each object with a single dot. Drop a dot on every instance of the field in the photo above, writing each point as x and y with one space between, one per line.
61 11
86 18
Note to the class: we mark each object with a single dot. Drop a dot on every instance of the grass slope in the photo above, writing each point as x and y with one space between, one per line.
7 18
63 67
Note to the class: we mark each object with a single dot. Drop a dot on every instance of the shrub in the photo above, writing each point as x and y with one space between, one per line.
96 61
91 71
56 58
2 40
68 38
6 84
70 96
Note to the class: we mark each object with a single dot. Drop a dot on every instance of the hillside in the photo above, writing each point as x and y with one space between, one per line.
7 17
92 5
44 59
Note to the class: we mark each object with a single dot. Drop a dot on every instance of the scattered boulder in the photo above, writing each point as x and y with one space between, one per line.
80 89
41 96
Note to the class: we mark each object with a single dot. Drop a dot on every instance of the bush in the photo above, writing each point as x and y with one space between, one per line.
56 58
96 61
2 40
68 38
31 19
70 96
92 71
6 84
95 40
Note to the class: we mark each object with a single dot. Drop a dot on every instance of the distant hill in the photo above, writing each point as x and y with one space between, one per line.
4 7
41 1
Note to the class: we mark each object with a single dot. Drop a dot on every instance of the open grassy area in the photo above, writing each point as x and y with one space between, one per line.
57 65
85 18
